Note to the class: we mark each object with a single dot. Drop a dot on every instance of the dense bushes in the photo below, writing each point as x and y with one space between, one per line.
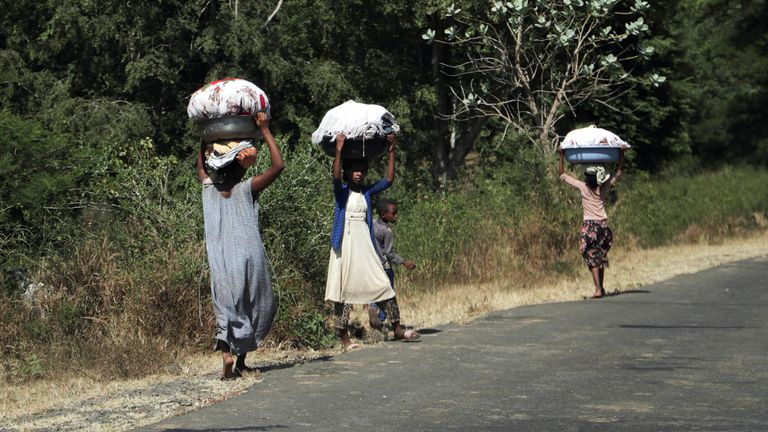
655 212
130 278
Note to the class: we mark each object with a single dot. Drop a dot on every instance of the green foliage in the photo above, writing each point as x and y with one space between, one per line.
651 115
98 199
35 170
530 63
295 218
33 367
726 47
655 212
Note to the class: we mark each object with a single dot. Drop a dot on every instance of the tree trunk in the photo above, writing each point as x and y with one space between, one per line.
454 140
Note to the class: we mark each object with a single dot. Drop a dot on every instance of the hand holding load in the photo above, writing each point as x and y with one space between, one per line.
232 113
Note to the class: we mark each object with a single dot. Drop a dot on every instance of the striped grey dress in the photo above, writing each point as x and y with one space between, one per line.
243 301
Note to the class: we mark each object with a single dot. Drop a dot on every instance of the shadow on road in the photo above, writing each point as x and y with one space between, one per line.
618 293
287 365
236 429
686 326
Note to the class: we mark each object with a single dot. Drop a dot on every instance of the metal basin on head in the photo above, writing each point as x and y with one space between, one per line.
228 128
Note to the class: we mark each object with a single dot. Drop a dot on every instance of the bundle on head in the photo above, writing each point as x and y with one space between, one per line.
365 126
224 109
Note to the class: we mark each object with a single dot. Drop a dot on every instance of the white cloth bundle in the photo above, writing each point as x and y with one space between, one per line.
224 154
355 121
227 97
592 137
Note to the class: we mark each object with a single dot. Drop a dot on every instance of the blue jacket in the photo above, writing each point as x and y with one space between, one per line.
341 193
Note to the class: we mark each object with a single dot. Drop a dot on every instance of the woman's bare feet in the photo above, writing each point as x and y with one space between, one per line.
344 337
228 364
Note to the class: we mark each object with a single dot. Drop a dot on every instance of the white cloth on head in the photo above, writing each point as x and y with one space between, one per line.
599 172
227 97
217 162
592 137
356 121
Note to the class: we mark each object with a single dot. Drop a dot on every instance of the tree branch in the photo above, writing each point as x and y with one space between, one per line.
272 15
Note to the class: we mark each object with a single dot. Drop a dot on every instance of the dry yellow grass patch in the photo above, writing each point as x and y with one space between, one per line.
83 403
630 269
78 403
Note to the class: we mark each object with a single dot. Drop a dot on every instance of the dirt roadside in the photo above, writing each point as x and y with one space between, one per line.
88 405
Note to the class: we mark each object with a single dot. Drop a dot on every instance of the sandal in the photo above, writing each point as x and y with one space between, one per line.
408 335
235 375
352 347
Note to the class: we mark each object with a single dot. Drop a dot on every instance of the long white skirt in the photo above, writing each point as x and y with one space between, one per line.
356 275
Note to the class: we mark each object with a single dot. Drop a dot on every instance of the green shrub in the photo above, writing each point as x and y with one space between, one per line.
129 276
655 212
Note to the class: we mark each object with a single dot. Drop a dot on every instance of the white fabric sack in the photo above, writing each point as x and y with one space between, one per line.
592 137
227 97
217 162
356 121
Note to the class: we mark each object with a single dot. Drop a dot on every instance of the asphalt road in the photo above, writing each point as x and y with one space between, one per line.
688 354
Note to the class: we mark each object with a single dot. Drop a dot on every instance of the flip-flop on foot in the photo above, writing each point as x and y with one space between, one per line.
352 347
408 335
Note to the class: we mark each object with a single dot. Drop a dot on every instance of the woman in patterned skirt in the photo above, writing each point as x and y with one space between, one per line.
596 236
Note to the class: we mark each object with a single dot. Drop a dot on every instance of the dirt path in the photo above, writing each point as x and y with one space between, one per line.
84 404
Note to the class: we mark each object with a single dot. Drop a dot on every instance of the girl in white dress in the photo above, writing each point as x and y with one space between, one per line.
355 272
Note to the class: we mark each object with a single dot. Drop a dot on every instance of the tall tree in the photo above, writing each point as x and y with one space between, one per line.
726 45
530 62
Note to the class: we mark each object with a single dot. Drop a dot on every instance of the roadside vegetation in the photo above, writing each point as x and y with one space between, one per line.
101 240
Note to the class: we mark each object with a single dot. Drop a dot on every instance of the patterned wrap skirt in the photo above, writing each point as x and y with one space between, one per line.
595 242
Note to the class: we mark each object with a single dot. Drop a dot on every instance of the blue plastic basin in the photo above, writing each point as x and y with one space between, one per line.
592 155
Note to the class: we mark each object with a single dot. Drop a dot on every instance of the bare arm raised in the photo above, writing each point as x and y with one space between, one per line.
391 164
617 174
261 181
201 175
336 168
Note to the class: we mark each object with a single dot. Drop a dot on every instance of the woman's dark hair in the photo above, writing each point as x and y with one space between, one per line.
590 180
231 173
350 165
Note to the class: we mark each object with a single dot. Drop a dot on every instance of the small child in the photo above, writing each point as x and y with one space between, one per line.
385 242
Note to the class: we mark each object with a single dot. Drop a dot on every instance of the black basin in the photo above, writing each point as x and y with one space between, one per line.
356 148
228 128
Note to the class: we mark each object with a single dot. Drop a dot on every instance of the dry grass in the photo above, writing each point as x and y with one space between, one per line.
86 404
630 269
81 403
